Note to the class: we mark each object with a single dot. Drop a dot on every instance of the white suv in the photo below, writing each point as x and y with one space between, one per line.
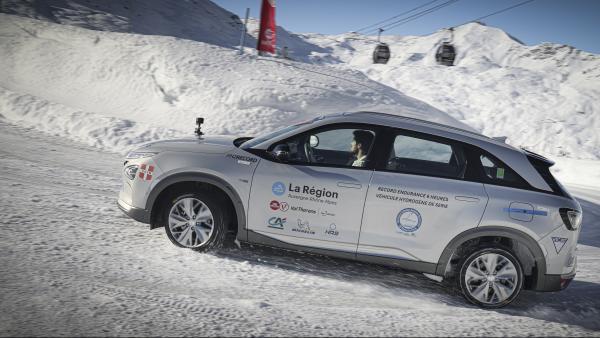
371 187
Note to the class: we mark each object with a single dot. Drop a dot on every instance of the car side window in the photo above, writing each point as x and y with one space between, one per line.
495 171
343 146
417 155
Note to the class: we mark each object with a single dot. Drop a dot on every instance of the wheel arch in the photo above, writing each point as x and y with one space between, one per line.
156 194
523 239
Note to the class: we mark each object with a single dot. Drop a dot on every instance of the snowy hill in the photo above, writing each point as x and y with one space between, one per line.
193 20
198 20
546 97
143 70
53 75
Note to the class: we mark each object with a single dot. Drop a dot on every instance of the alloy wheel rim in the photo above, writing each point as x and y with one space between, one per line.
491 278
191 222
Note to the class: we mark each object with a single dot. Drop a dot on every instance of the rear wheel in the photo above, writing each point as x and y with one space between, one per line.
196 220
491 277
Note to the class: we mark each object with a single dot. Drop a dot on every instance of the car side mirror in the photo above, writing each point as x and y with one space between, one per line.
281 152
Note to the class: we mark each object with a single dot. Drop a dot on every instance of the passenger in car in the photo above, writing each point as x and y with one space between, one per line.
360 147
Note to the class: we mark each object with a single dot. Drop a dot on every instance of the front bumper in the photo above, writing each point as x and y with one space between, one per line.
140 215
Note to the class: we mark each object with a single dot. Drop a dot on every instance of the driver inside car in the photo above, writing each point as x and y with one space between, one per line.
359 147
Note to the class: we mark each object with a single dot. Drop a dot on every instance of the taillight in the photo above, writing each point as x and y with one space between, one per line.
571 218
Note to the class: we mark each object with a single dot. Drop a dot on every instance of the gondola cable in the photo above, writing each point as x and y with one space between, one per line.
370 27
415 16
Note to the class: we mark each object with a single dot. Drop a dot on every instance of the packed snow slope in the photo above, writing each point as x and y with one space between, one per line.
545 97
72 264
73 81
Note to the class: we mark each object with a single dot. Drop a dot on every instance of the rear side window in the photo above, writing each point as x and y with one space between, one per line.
496 172
421 156
543 168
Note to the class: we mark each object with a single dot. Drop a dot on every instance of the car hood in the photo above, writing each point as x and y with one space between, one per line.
209 144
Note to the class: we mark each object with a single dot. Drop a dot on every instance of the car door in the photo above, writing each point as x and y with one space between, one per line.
313 195
418 200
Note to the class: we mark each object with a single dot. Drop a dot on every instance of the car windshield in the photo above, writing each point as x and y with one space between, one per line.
258 140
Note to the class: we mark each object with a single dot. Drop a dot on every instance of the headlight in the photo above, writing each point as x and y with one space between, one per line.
571 218
140 154
130 171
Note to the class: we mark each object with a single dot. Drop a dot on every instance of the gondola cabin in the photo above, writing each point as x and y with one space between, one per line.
446 54
381 54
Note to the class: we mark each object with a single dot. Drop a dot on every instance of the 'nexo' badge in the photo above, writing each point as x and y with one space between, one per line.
408 220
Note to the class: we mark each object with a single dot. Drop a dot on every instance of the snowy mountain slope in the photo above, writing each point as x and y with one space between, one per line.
187 19
198 20
545 98
166 82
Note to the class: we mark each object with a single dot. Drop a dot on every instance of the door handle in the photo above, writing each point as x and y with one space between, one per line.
467 199
349 185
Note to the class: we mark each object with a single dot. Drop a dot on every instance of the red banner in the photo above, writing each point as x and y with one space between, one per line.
266 33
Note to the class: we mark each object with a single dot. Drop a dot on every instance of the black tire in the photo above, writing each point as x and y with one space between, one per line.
218 208
491 304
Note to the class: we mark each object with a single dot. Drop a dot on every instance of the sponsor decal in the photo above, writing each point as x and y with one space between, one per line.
332 230
304 210
146 173
559 243
412 197
408 220
274 205
277 222
326 213
312 191
526 211
303 227
269 34
312 194
242 158
278 188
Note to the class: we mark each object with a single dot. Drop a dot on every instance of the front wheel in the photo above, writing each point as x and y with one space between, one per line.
491 277
196 220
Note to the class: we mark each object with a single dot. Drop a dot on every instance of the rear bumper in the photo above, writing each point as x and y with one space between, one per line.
140 215
554 282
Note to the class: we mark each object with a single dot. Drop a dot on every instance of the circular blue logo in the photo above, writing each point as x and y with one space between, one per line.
278 188
408 220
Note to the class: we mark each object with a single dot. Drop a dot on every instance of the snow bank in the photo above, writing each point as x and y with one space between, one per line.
108 133
166 82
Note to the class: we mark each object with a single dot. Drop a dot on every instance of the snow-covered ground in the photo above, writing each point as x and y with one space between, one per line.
73 264
82 82
73 81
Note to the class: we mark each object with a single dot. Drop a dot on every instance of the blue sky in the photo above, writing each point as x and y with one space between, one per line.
572 22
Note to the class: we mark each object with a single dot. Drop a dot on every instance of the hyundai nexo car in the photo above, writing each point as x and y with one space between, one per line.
372 187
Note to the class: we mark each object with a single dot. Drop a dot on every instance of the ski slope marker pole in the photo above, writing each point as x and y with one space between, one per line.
242 38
